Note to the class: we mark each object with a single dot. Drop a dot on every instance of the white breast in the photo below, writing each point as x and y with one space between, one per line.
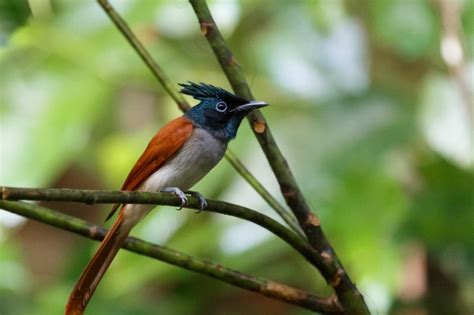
194 160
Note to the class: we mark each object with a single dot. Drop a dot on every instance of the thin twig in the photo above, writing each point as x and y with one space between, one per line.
332 269
109 196
159 74
144 55
263 286
247 175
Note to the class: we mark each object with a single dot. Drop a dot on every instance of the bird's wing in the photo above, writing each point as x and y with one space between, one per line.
169 139
161 148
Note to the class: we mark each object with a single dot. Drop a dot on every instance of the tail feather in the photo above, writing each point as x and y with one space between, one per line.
95 270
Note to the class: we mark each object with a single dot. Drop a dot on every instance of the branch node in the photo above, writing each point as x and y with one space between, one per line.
312 219
335 301
5 193
231 60
90 199
183 106
289 194
336 279
205 26
259 126
95 232
327 256
284 290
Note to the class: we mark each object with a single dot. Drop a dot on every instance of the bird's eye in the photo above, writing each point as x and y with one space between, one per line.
221 107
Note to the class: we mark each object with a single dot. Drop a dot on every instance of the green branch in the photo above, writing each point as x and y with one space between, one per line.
263 286
245 173
108 196
331 268
184 106
144 55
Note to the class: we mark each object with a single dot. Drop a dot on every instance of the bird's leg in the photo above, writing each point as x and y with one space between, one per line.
202 200
179 193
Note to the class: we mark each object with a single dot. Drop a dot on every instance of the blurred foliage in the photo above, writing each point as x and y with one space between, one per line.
372 123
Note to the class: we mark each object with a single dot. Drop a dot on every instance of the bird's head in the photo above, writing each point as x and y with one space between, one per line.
219 111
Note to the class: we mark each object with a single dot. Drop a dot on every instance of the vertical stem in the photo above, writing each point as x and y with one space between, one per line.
331 268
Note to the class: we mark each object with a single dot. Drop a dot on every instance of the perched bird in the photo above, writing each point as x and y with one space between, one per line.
177 157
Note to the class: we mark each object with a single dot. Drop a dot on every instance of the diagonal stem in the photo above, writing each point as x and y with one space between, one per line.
263 286
184 106
144 55
331 268
245 173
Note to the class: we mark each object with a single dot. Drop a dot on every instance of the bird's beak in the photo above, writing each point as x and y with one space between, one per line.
250 106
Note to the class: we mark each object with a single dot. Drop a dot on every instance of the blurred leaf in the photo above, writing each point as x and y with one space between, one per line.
441 215
445 122
468 26
407 26
343 79
63 115
326 13
12 15
15 278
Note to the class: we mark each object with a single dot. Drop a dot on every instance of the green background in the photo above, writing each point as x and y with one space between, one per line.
372 121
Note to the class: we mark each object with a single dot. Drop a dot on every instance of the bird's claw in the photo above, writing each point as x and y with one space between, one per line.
178 192
184 200
202 200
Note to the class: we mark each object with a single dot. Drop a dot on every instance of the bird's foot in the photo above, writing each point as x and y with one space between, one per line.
179 193
202 200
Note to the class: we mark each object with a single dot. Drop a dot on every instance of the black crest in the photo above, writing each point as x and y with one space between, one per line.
203 91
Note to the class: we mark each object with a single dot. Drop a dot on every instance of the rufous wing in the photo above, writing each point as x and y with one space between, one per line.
168 140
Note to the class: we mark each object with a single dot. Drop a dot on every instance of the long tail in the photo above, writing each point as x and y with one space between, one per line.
91 276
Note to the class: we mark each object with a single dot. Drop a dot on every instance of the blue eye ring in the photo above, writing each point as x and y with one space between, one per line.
221 107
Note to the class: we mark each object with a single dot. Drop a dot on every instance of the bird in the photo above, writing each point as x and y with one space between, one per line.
180 154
